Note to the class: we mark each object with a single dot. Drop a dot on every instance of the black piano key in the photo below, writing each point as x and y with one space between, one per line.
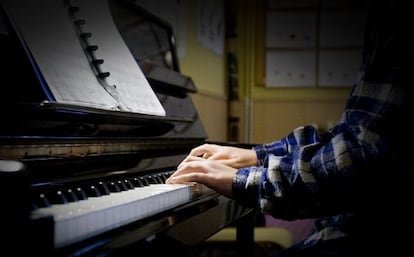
80 194
128 184
160 179
121 185
92 191
40 200
137 182
168 173
113 187
152 179
103 188
155 179
71 195
163 177
145 181
58 197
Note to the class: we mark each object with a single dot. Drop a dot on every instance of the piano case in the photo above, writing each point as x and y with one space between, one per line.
83 181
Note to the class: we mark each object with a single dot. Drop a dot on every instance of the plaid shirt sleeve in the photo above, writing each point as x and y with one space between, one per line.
306 175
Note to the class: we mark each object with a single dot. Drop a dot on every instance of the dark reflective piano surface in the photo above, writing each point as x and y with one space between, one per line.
95 178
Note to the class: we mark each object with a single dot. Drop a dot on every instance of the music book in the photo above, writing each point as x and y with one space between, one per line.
80 56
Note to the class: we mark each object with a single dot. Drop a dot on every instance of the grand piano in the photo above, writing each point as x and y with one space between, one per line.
84 181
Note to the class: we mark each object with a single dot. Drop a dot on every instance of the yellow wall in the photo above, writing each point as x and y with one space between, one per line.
270 113
213 113
275 118
207 70
265 114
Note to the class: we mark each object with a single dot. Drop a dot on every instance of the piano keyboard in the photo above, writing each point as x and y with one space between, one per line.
78 220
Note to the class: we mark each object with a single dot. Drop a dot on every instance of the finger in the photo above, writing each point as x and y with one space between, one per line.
200 153
199 150
188 159
196 165
188 177
204 151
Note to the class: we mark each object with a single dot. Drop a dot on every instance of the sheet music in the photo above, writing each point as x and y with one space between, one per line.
51 37
125 72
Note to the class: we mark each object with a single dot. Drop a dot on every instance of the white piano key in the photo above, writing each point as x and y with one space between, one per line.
76 221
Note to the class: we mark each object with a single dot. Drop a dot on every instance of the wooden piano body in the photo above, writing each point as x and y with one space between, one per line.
79 181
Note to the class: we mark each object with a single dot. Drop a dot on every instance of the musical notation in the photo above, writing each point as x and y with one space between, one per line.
81 57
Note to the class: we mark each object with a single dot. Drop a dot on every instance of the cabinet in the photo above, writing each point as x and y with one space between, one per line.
310 43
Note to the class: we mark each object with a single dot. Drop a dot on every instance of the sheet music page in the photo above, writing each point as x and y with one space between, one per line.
55 47
51 38
133 89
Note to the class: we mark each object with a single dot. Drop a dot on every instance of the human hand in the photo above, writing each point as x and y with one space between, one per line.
211 173
231 156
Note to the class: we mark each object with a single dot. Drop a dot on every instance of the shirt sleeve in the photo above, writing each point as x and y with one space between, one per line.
305 175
